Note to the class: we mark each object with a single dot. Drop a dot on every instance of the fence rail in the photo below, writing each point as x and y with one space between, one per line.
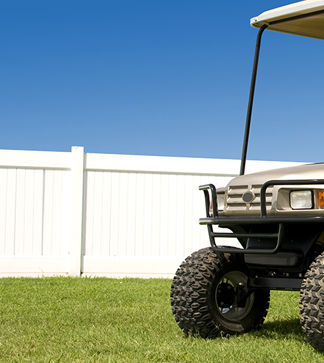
70 213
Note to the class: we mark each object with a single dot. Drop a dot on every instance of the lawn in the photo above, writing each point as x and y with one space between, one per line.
63 319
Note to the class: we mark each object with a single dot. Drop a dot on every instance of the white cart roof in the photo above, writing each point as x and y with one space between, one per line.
305 18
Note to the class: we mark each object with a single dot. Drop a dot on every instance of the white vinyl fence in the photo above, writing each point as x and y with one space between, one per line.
70 213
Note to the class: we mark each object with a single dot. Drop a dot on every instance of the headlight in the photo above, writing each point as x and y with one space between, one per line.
301 199
220 201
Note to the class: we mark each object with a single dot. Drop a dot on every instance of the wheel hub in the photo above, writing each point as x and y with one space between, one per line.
225 295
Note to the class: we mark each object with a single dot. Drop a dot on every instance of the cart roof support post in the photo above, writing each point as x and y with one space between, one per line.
250 104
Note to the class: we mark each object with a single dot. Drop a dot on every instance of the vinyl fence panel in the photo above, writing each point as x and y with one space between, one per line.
104 215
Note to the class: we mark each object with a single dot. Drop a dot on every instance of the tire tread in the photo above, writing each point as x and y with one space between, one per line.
311 305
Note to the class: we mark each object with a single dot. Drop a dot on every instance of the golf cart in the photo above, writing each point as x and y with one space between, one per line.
278 218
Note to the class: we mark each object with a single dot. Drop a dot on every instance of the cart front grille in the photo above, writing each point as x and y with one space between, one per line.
235 198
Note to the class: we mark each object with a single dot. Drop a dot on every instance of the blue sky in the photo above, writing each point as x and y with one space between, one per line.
156 77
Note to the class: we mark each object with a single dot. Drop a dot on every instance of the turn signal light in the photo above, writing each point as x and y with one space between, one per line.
320 199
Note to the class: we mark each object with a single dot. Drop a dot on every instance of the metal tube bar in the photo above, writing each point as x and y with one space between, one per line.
212 189
251 96
244 235
253 251
239 221
283 182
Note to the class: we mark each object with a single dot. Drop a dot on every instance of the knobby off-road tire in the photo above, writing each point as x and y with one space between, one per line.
311 305
203 291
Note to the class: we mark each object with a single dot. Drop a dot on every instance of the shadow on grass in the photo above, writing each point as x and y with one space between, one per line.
281 329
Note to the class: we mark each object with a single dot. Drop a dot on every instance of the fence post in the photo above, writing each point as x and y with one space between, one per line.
76 239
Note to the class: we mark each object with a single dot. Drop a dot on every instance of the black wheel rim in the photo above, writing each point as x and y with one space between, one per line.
226 294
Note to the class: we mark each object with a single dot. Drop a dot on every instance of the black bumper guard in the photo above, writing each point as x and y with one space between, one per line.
225 222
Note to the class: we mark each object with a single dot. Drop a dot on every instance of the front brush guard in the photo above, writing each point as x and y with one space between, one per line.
213 219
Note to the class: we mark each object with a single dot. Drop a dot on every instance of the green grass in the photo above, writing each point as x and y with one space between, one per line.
108 320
